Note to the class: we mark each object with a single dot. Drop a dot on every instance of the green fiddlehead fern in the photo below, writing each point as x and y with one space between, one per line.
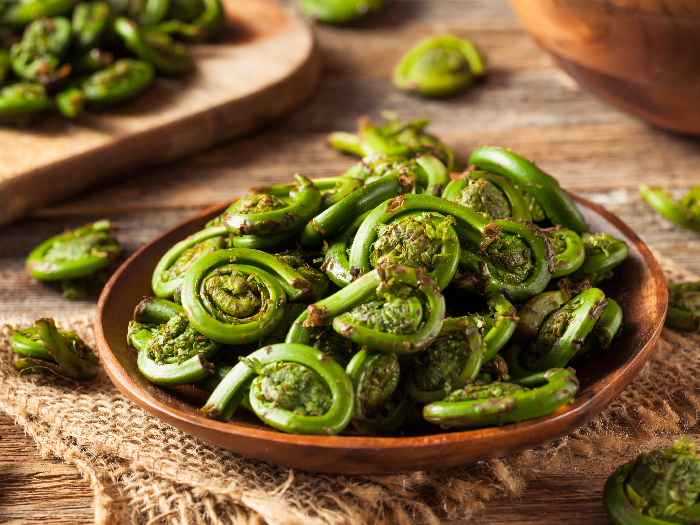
417 240
89 23
544 188
168 56
490 195
656 488
75 253
23 103
392 139
236 296
381 403
120 81
170 270
451 361
439 66
569 250
404 314
20 14
499 402
563 332
176 353
39 55
686 213
359 202
603 253
263 214
684 306
339 12
68 356
323 405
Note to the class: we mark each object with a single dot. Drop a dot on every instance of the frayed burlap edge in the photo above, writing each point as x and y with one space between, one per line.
143 471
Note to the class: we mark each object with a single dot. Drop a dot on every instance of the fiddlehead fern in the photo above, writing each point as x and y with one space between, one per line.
333 219
490 195
176 353
569 250
23 103
382 324
656 488
167 55
170 270
263 214
439 67
563 333
39 55
395 138
381 403
69 356
417 240
498 403
75 253
544 188
272 399
450 362
603 253
339 12
684 306
236 296
686 213
120 81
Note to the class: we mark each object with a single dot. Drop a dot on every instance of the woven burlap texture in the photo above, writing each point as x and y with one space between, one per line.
144 471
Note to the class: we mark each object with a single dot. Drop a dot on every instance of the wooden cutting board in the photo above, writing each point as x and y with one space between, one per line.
263 65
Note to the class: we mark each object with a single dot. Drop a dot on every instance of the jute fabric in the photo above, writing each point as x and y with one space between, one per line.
143 471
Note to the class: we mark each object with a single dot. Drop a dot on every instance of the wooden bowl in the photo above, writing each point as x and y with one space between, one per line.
639 287
642 56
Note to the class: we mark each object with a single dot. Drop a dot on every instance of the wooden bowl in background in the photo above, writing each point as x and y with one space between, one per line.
642 56
639 287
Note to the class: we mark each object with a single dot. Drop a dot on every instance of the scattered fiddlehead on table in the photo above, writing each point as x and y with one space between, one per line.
23 103
75 253
439 66
47 349
686 213
339 12
684 306
656 488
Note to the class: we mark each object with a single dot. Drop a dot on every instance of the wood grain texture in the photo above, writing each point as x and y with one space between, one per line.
526 104
262 65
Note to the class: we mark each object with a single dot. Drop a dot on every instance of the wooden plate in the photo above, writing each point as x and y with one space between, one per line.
639 286
264 63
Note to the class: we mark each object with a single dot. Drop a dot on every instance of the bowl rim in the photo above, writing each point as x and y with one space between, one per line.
528 433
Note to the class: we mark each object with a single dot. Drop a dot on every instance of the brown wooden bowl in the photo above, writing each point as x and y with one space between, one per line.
642 56
639 287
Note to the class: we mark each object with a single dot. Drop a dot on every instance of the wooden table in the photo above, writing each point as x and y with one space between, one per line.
525 104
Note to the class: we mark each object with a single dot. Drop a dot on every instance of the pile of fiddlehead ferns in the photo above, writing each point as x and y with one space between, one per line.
92 54
355 299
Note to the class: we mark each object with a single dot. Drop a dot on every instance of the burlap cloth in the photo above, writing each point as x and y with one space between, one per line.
144 471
